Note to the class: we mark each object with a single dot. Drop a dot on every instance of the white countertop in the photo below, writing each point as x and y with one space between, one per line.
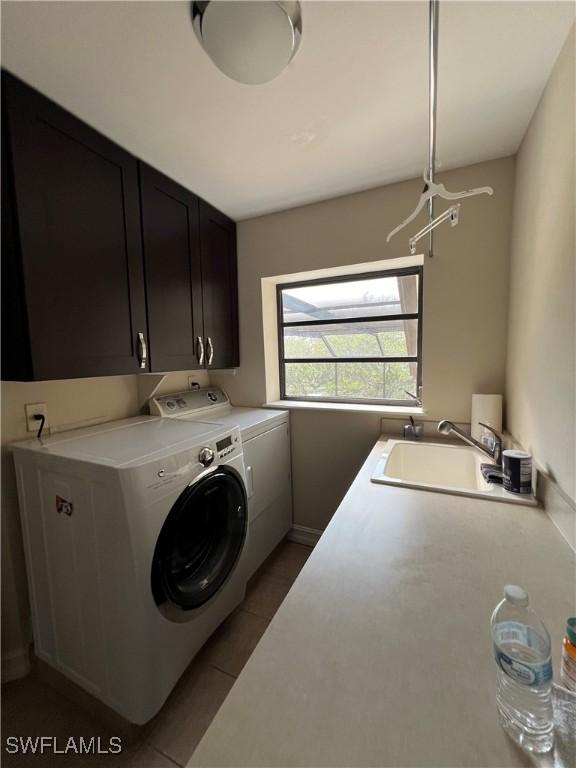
381 653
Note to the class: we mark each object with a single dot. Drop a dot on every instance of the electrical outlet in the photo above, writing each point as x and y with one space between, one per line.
192 384
32 409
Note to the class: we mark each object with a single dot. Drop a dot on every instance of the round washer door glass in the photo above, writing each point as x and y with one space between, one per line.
200 541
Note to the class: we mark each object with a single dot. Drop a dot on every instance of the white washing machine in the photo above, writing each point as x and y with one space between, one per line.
135 535
266 445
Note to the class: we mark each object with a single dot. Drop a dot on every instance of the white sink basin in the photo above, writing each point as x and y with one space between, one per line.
442 468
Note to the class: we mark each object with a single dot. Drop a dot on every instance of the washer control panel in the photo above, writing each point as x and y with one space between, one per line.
226 445
189 402
184 466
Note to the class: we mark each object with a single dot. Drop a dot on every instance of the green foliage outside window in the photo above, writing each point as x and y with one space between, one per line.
348 380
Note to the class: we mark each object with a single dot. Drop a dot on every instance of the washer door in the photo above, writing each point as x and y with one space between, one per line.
201 540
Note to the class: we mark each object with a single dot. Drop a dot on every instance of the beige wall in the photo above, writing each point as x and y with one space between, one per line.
71 403
465 312
541 380
465 306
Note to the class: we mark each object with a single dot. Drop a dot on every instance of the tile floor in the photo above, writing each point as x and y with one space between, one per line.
31 708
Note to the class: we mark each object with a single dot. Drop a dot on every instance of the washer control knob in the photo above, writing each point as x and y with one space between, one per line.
206 456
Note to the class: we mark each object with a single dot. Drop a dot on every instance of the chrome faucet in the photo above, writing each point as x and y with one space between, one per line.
495 453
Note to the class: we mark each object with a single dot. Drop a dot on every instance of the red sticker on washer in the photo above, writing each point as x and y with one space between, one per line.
63 505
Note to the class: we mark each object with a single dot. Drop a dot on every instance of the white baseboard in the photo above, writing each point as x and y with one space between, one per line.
300 534
15 664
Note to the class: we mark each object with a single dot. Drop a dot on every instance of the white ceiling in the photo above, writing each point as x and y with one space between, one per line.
349 113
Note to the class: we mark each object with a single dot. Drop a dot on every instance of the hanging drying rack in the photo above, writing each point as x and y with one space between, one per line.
431 189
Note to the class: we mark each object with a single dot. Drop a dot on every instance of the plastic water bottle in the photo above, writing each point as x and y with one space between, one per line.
522 652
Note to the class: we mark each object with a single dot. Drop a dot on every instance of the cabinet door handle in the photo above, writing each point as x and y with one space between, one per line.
200 350
142 350
210 348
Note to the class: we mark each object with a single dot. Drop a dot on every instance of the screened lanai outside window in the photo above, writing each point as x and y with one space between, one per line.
352 339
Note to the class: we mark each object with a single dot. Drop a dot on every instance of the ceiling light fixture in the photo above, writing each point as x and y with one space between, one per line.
249 41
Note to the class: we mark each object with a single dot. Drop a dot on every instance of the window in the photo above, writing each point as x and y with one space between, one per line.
352 339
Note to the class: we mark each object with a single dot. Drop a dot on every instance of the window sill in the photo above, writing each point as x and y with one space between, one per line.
384 410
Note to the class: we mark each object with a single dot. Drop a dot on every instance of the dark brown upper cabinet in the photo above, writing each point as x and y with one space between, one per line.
191 277
219 287
108 266
73 284
170 233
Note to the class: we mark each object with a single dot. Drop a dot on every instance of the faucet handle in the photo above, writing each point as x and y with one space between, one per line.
491 429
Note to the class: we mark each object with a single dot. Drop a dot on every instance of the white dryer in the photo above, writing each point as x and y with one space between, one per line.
135 534
266 445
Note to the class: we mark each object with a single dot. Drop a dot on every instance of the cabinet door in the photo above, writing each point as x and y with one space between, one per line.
219 287
173 277
77 205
